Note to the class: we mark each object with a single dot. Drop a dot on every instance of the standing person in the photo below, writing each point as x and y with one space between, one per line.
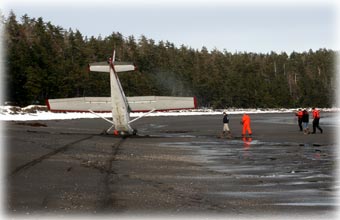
316 119
299 114
305 121
246 124
226 129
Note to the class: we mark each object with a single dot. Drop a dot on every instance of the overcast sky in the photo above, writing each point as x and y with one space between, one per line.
251 26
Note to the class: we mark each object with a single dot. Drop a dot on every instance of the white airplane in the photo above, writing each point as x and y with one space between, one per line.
118 104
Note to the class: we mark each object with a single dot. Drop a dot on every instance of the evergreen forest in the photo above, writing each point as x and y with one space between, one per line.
46 61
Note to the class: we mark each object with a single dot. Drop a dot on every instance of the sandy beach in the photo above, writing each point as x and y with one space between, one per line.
176 166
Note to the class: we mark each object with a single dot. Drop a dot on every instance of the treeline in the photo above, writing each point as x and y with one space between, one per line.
47 61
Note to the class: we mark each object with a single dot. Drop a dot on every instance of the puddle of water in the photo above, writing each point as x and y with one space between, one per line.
289 174
328 203
209 177
157 126
269 176
282 194
174 135
266 160
323 176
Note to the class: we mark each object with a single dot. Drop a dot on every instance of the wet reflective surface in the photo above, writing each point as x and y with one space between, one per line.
178 165
289 173
283 173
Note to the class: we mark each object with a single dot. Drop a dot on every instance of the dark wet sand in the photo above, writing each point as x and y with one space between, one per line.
177 167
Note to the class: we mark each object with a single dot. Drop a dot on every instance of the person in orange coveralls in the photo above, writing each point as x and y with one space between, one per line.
299 114
246 124
316 119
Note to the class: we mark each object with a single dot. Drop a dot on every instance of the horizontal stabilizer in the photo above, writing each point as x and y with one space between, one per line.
136 104
99 68
104 67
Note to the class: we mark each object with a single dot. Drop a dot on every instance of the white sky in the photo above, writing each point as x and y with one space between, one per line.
251 26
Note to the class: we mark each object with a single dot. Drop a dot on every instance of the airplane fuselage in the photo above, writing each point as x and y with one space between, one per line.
120 111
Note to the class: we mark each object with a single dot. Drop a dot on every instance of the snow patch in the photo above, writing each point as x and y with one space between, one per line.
40 112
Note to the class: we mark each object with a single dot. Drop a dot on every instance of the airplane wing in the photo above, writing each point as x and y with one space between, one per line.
161 103
136 104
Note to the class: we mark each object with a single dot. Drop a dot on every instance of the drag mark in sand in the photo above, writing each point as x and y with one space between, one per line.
108 200
46 156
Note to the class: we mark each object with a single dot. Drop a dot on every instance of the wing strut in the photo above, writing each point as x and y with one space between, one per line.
142 116
111 122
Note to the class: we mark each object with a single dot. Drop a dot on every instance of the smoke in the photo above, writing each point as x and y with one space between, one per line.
170 84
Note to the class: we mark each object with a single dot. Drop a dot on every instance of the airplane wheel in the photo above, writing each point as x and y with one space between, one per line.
134 131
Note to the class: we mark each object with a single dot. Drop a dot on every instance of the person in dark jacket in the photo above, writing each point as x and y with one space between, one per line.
226 129
305 121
